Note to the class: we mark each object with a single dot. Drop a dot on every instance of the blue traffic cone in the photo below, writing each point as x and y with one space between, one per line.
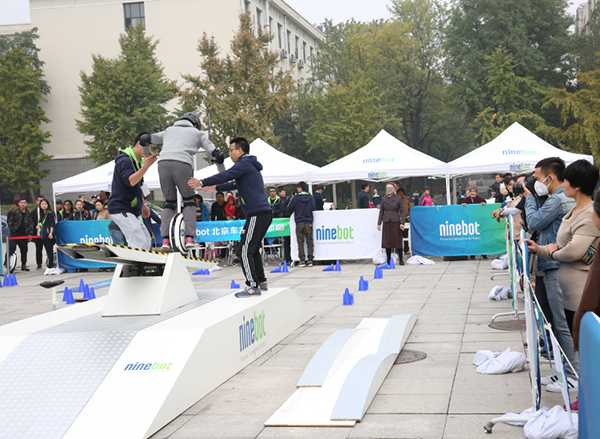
384 266
378 273
1 285
68 296
91 294
201 271
348 298
81 286
11 280
361 284
330 268
276 269
86 292
207 272
392 264
285 268
234 285
14 280
6 280
337 266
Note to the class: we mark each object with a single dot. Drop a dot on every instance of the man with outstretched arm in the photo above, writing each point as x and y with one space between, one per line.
245 176
126 205
181 142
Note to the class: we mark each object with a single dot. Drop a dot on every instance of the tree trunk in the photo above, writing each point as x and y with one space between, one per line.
32 195
353 192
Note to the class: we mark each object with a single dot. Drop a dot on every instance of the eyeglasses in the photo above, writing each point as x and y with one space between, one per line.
389 189
233 149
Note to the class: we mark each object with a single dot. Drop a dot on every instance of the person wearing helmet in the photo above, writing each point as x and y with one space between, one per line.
175 167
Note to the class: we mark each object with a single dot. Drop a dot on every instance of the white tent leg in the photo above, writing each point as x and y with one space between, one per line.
334 190
454 189
310 189
448 189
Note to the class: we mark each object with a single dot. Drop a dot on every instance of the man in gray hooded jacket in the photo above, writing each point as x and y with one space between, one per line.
176 166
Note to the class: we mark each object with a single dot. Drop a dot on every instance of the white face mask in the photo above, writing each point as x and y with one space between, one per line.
540 188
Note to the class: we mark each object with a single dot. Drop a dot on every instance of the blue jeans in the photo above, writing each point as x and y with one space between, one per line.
565 339
117 237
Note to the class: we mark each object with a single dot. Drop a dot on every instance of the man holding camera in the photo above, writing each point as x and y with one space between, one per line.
181 142
126 203
546 220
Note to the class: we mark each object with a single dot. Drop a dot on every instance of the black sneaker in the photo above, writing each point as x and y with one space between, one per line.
39 267
310 263
24 268
302 264
248 292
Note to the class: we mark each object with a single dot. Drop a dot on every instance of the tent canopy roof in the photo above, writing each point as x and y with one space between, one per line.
383 158
516 149
278 168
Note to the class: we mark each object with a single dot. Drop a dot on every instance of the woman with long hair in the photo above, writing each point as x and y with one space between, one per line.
101 212
46 227
67 210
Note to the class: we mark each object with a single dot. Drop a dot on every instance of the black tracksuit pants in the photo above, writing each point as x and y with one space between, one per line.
253 233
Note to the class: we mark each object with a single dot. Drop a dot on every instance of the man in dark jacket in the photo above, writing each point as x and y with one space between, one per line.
280 211
126 204
363 196
302 206
245 176
318 195
217 210
20 224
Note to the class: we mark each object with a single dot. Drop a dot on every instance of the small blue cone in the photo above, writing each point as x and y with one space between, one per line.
361 284
378 273
330 268
384 266
14 280
201 271
86 292
366 285
234 285
276 269
92 294
6 280
337 266
392 264
1 283
285 268
68 296
348 298
81 286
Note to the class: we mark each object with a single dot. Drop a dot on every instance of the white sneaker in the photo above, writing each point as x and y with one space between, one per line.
556 387
549 379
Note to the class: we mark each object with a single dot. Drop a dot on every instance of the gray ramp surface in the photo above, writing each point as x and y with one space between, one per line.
49 378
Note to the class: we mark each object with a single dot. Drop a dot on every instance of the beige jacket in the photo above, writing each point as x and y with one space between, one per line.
577 239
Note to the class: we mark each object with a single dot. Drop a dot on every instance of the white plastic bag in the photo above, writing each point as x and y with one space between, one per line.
551 424
494 363
500 263
380 257
419 260
500 293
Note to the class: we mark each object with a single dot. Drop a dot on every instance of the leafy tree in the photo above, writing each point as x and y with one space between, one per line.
590 43
243 92
511 96
535 33
124 96
21 138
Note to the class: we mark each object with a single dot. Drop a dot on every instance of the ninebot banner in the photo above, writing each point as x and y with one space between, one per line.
217 231
342 234
456 230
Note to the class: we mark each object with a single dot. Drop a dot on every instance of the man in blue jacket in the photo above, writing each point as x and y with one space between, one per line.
126 204
546 220
302 206
245 176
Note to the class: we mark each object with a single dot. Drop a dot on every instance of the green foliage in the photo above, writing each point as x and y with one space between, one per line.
21 139
346 118
243 92
535 33
590 44
512 98
124 96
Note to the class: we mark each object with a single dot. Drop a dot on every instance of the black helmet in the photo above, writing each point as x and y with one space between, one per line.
191 117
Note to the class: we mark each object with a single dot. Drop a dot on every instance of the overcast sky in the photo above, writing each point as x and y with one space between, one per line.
316 11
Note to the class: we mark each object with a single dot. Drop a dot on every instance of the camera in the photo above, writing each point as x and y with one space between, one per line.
146 142
519 188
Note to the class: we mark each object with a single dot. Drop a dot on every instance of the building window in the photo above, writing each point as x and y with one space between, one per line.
296 46
247 7
289 37
134 14
279 27
311 57
304 51
270 26
258 18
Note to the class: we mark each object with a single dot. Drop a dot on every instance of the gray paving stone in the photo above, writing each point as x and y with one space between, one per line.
306 432
471 426
221 426
415 403
400 426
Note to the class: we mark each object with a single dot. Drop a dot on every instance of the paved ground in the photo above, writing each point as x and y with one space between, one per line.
439 397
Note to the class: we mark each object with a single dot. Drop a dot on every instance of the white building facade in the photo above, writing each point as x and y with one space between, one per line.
584 15
72 30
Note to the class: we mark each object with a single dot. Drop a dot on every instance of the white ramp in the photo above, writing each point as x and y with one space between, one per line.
345 374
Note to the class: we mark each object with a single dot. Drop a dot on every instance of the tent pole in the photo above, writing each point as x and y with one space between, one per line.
448 189
310 188
454 190
334 190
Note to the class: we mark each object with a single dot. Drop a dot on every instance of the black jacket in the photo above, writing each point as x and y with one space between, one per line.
303 206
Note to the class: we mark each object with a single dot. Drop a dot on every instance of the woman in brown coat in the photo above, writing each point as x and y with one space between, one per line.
391 213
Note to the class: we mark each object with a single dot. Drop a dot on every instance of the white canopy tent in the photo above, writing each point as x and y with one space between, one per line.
383 158
99 179
278 168
516 149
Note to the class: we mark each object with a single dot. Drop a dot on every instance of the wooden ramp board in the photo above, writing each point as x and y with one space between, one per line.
314 406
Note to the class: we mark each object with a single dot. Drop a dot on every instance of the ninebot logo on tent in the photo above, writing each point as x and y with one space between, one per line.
520 167
96 239
379 160
252 330
517 152
333 233
376 174
148 367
